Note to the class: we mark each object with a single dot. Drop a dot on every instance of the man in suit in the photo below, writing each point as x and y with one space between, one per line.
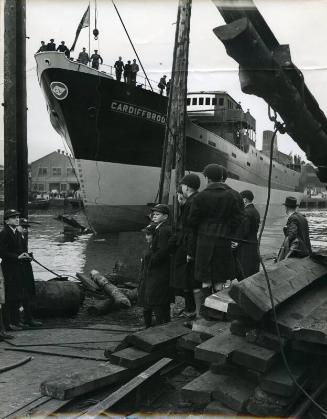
297 241
247 252
13 258
51 46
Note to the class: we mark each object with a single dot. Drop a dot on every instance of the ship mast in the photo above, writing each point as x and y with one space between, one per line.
174 144
15 107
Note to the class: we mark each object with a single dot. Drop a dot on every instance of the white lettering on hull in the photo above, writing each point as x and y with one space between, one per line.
137 111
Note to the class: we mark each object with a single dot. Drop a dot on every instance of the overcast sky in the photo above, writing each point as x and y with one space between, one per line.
300 23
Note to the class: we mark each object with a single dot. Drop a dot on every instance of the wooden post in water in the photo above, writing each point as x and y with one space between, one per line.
15 108
174 148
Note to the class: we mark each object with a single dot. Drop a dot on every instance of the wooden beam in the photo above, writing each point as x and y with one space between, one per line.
115 397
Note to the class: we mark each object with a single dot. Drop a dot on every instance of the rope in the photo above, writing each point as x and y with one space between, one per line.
49 270
281 128
131 42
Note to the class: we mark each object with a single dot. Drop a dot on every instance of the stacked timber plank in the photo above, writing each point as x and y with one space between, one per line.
246 371
147 346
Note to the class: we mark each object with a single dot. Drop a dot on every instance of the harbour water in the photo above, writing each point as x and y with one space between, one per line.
67 255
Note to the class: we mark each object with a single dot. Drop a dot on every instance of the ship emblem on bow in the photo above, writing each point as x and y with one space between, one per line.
59 90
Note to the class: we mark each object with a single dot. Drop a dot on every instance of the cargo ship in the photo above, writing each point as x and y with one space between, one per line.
116 130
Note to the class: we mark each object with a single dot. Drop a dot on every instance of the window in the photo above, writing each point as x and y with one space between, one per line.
212 143
56 171
214 101
41 187
249 164
35 185
261 158
195 101
63 187
234 155
207 100
200 100
70 171
188 101
221 101
43 171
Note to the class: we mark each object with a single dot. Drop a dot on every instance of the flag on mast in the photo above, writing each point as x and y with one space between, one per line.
84 23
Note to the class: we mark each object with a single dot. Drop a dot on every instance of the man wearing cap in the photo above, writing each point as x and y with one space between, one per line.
13 257
216 213
247 252
183 267
156 291
51 46
297 241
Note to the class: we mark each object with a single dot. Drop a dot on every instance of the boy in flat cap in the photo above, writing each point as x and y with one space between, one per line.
155 292
216 213
183 267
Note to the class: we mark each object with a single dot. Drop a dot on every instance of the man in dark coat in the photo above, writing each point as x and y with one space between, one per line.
216 213
128 72
297 241
63 48
28 279
83 57
42 48
13 258
183 267
119 67
162 84
51 46
247 253
155 296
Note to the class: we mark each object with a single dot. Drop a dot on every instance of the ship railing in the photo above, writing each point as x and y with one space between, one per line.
141 81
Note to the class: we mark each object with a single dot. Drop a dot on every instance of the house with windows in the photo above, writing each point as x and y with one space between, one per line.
54 174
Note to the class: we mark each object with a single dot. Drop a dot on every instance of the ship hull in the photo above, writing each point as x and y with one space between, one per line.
119 197
116 131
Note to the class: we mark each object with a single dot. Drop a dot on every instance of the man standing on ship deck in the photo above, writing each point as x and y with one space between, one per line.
83 57
51 46
135 69
96 58
119 66
216 213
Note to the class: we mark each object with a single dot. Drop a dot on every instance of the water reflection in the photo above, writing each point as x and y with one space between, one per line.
67 255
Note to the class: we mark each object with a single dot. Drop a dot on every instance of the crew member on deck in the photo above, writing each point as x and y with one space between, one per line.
42 48
168 85
128 72
96 58
247 253
162 84
83 57
119 66
216 213
63 48
51 46
297 241
135 69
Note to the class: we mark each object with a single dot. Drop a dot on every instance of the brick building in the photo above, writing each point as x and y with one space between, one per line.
53 173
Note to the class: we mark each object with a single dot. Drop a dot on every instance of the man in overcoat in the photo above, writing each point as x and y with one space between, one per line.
156 291
216 213
13 258
183 267
297 241
247 252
